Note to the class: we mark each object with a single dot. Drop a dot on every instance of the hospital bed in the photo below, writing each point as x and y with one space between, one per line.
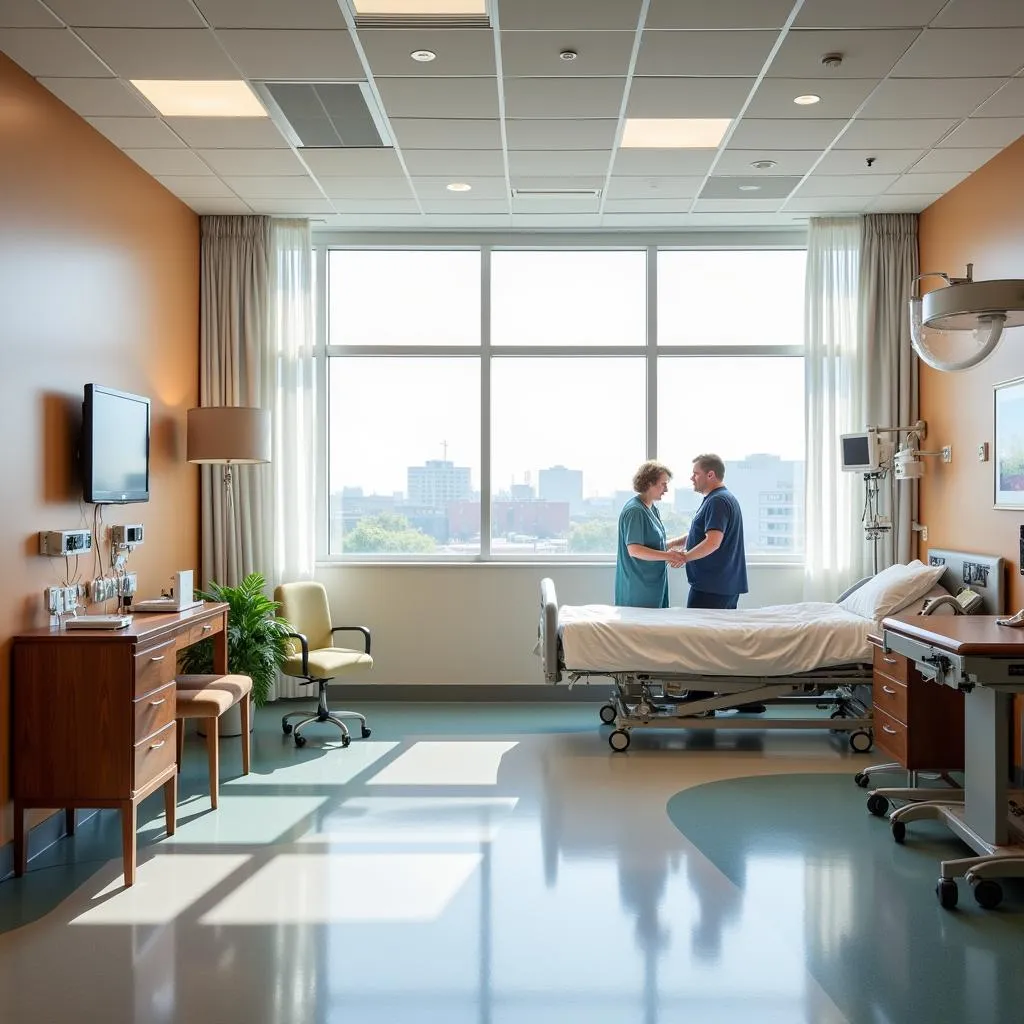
812 655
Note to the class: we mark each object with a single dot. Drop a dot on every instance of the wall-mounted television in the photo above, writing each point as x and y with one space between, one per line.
115 446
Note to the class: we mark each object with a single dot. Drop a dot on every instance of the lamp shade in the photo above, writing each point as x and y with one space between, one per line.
228 433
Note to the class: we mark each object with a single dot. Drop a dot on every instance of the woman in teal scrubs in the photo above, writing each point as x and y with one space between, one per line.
644 552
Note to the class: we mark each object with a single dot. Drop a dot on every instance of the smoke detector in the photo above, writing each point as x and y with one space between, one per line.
832 60
568 55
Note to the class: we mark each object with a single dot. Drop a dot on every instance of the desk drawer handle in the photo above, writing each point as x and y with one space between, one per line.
159 658
207 627
891 732
157 703
888 661
888 690
157 746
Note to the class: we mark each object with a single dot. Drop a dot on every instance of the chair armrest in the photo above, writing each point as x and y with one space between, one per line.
355 629
305 651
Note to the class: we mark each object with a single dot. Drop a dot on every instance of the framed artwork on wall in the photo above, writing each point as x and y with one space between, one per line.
1008 444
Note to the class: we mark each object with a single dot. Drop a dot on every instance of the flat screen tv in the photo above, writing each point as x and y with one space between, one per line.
115 446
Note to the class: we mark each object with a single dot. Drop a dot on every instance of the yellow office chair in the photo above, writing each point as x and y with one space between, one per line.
314 657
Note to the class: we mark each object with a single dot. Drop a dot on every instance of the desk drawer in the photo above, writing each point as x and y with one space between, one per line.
891 736
154 668
200 631
891 664
153 712
154 754
890 696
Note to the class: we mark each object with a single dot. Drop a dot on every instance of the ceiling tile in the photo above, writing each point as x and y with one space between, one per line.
127 13
264 162
166 53
721 54
953 160
688 97
445 133
460 52
840 97
217 207
373 205
866 54
1007 102
168 161
358 163
657 187
981 14
273 186
964 53
755 133
273 206
136 132
720 14
455 163
324 14
739 161
439 97
663 162
867 134
985 131
303 56
647 205
483 187
228 132
535 54
749 187
377 221
827 205
538 133
846 185
900 204
855 161
359 188
925 183
559 182
929 97
51 52
26 14
97 97
568 14
558 162
867 13
740 206
555 97
459 206
194 185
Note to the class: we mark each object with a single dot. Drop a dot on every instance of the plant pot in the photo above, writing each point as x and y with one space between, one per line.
230 723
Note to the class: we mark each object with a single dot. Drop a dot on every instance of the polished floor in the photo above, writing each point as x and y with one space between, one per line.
497 864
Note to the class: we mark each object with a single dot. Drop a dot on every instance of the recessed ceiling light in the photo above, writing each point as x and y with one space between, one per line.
438 8
674 132
423 56
763 165
201 99
459 186
568 55
750 188
807 99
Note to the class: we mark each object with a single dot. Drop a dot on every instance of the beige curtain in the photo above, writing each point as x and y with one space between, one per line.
233 328
889 262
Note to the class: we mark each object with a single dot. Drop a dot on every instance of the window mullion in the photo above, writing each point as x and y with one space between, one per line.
485 402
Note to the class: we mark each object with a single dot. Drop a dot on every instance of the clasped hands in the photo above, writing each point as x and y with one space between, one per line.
676 558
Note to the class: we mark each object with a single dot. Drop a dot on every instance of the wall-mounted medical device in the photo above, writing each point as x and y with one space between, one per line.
861 453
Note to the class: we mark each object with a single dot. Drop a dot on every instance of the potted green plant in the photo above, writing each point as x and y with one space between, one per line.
257 638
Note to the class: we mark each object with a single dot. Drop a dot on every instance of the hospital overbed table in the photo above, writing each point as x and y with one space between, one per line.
811 655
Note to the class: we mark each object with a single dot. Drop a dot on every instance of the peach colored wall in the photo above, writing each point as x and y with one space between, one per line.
99 281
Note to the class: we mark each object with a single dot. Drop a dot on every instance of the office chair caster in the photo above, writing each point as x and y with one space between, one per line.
300 740
987 893
861 780
346 740
899 832
607 714
946 891
365 733
878 805
860 741
286 728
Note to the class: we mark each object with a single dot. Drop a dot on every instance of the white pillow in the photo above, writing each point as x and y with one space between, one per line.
892 589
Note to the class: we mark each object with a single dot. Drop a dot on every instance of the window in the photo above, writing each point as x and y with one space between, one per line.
449 436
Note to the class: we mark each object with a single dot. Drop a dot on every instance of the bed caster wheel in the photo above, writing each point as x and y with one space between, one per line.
644 710
346 740
899 832
878 805
365 733
286 728
988 894
300 740
607 714
860 741
946 891
862 779
619 740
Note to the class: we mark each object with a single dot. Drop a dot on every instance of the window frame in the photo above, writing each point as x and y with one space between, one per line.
650 351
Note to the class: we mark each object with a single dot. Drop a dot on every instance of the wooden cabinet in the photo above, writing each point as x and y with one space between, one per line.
918 723
93 722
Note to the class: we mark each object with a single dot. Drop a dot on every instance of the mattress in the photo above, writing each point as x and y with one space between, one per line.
777 640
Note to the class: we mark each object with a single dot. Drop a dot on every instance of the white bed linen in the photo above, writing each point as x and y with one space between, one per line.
773 641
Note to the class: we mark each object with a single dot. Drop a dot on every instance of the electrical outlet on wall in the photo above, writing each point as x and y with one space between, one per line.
924 534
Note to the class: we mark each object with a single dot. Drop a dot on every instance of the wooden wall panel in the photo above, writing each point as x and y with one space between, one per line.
99 281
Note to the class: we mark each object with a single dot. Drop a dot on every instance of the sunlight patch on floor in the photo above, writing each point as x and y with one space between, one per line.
445 763
239 821
334 765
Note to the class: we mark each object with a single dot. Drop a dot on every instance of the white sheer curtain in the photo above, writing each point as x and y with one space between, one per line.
835 377
289 391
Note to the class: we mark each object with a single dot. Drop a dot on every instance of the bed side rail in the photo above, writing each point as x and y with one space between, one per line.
548 631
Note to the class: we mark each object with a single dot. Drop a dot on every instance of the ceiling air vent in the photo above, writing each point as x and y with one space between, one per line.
421 13
325 115
556 200
556 193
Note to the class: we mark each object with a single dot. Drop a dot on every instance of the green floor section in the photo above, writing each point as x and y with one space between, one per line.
865 909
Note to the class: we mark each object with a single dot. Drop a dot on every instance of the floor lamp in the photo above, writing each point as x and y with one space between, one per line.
227 435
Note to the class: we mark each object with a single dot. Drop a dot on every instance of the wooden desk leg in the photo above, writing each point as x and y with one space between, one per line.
69 820
128 825
20 850
171 803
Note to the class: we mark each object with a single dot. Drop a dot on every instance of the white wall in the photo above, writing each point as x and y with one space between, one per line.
478 623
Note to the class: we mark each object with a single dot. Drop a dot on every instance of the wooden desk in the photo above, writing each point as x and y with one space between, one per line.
93 717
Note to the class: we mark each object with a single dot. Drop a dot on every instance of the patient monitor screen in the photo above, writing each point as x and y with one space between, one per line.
857 452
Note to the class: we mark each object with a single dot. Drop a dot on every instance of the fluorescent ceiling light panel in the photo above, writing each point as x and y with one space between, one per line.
201 99
440 8
674 132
